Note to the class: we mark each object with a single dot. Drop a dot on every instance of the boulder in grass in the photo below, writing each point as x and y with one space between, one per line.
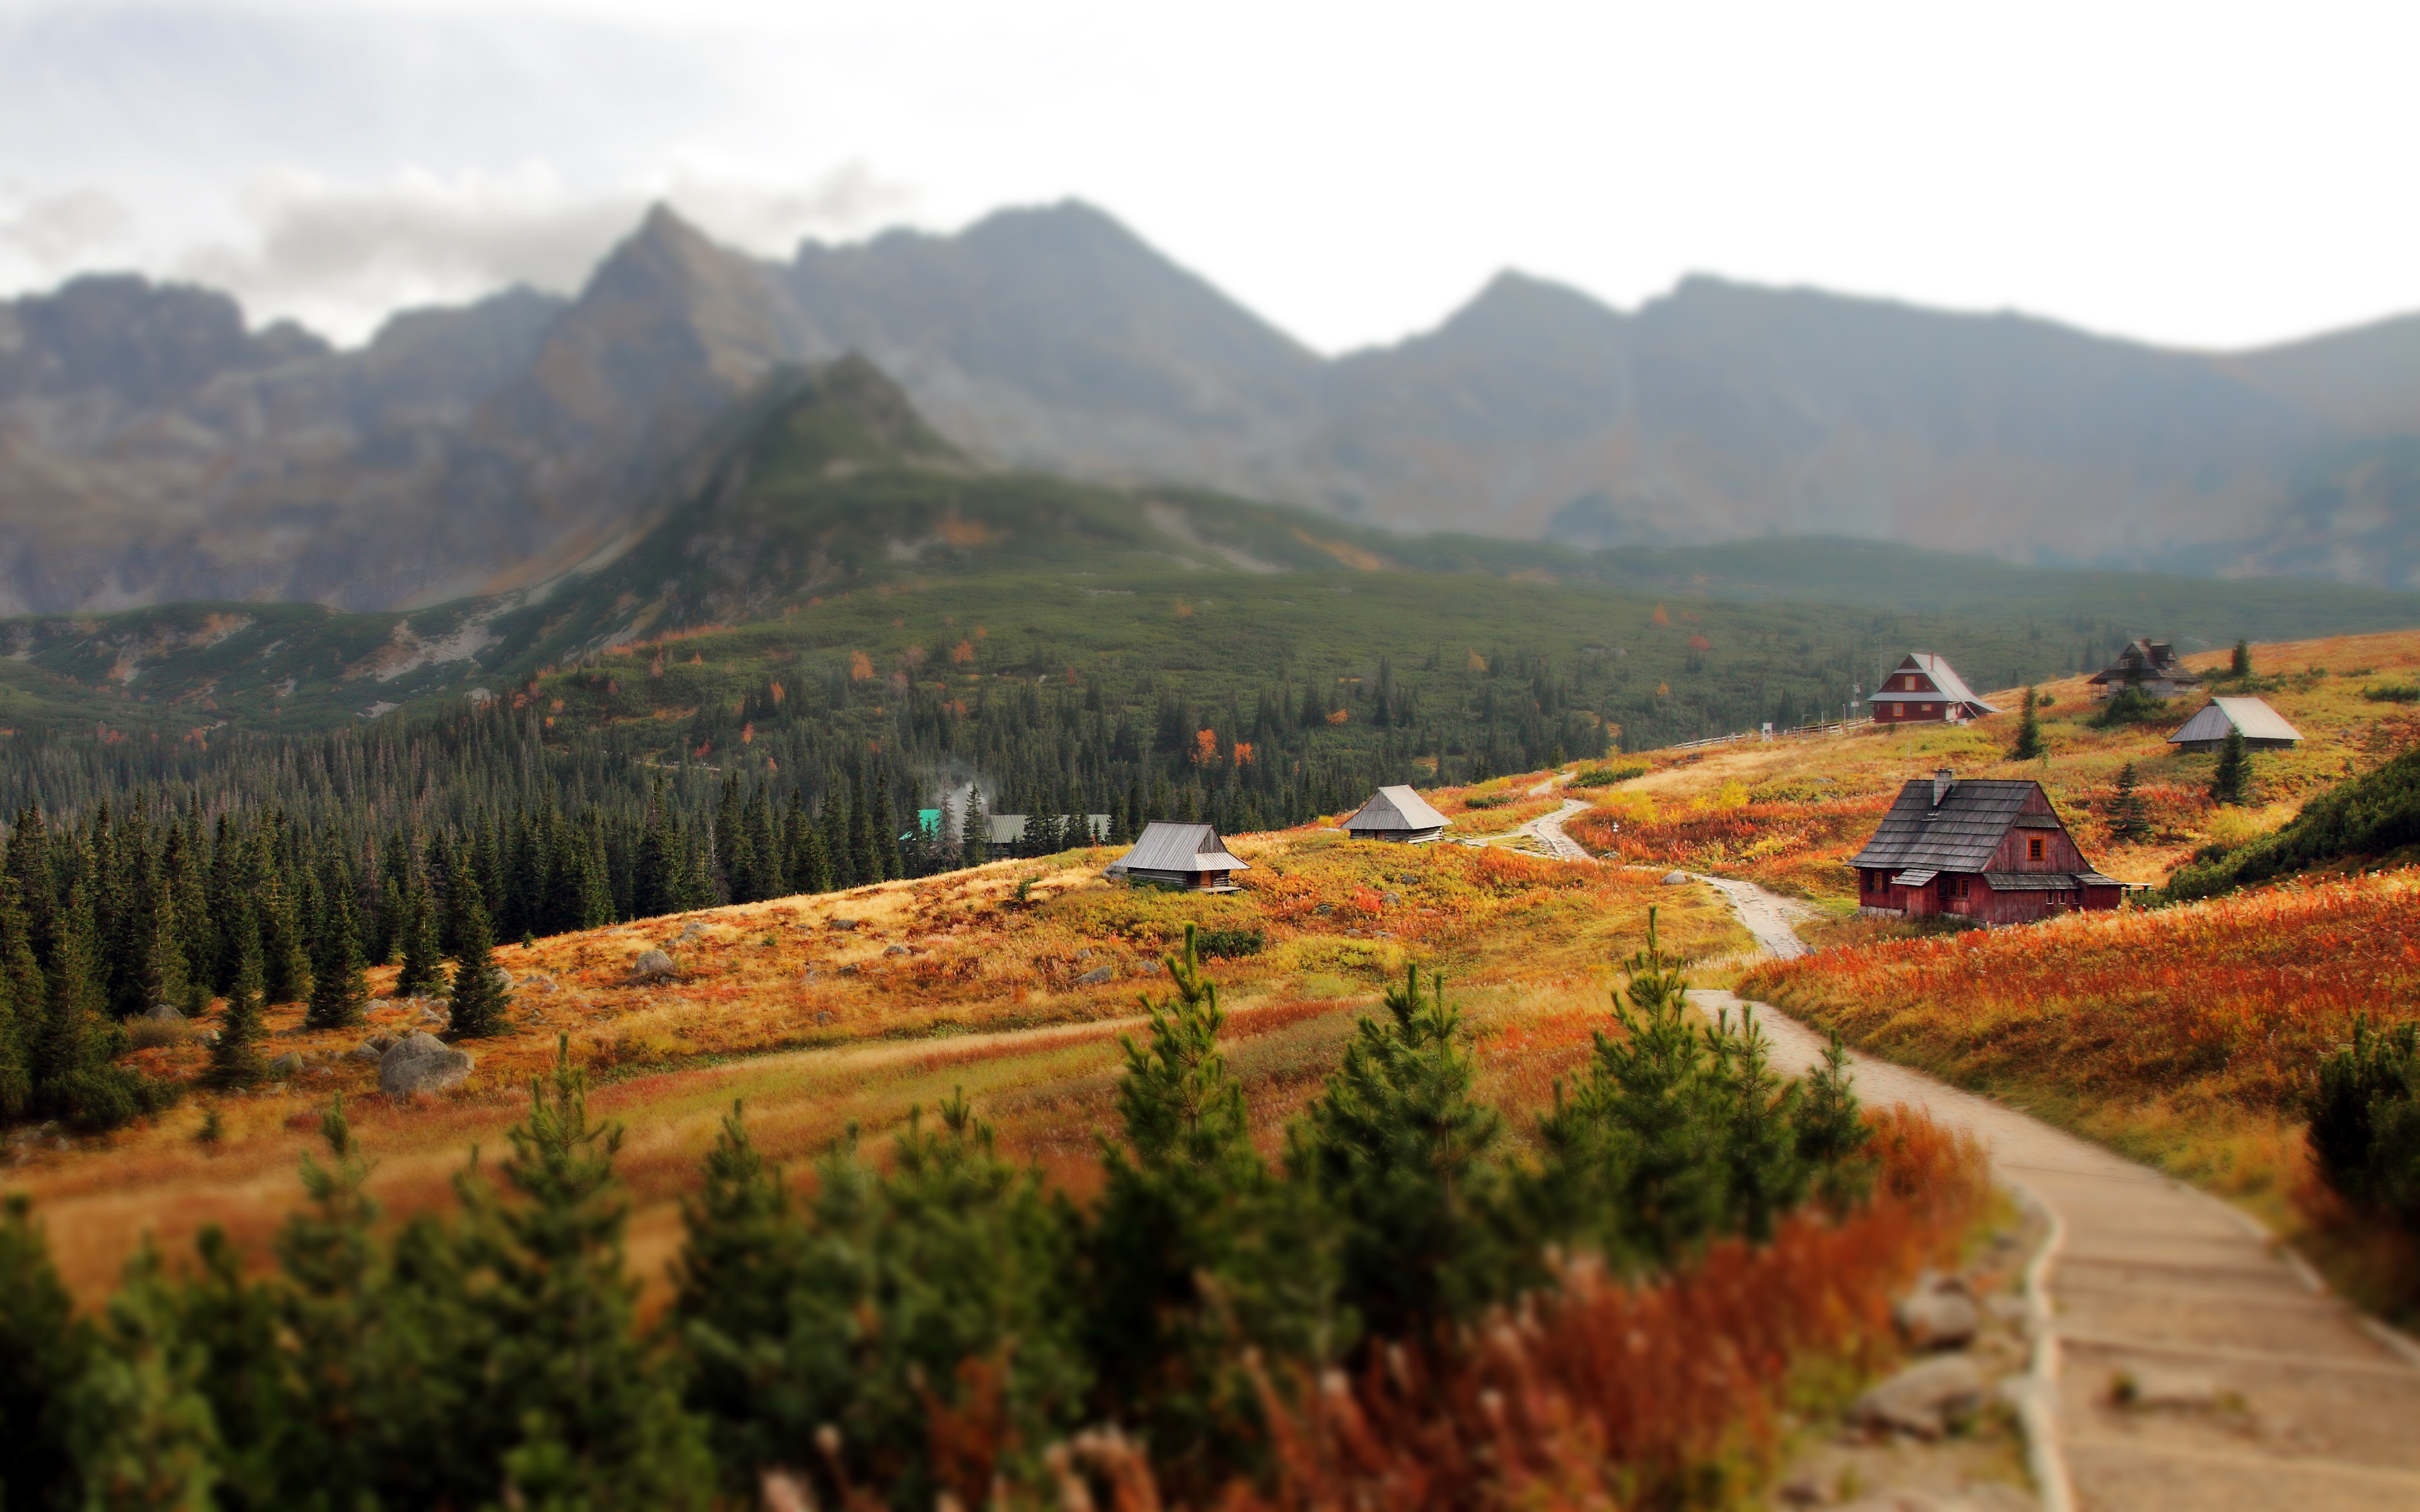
1940 1314
1922 1399
1096 975
289 1064
422 1063
163 1013
1675 879
654 966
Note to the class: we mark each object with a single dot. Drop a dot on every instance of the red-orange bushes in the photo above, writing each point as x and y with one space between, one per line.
2230 1001
1798 847
1601 1393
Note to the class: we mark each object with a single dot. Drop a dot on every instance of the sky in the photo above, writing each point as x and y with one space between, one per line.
2206 174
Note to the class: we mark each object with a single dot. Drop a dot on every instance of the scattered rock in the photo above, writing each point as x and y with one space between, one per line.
1407 879
895 949
1085 955
848 971
2151 1389
1674 879
1324 908
843 923
430 1015
654 966
289 1064
162 1014
1921 1398
1938 1315
502 979
210 1037
1384 934
538 982
1390 900
421 1063
809 975
1096 975
377 1003
823 1016
370 1050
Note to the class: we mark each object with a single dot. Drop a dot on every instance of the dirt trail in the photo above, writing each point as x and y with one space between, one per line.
2256 1389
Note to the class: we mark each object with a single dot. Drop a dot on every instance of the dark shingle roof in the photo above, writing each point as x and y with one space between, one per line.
1960 835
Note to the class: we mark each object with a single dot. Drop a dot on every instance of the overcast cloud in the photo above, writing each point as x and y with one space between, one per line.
2198 174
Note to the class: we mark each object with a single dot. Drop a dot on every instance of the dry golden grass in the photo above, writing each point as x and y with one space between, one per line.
944 981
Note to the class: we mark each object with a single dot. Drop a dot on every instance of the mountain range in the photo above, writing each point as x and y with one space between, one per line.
155 447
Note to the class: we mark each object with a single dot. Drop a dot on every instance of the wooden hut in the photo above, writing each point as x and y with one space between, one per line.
1991 850
2264 728
2147 666
1191 857
1399 814
1925 688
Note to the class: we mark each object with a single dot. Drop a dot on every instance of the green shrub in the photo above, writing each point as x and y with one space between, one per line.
2375 814
1610 773
2408 693
1492 800
2130 706
2365 1121
1222 943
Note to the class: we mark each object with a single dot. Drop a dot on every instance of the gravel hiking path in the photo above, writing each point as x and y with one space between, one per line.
1548 830
2252 1387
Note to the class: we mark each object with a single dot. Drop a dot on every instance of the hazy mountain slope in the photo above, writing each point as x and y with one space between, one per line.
1055 337
152 449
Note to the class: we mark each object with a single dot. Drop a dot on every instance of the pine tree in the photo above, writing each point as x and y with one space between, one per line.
285 971
1197 1253
330 1257
2239 665
974 829
479 1000
2029 740
421 975
2231 783
864 846
339 989
47 1349
1401 1155
235 1059
598 1425
2129 817
838 827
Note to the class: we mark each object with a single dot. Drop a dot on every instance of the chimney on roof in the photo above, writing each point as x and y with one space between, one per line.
1943 781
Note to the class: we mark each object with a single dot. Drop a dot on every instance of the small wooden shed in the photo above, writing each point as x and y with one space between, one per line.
1191 857
2264 728
1923 688
1397 814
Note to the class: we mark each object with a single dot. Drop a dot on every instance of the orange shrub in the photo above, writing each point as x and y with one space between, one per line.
2224 1004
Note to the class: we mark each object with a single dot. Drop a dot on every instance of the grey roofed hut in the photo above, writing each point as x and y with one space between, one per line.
1397 814
2264 728
1185 856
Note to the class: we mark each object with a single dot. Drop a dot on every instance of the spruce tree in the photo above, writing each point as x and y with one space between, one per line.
1402 1154
2130 818
235 1059
479 1001
421 974
864 846
2239 665
2029 741
285 971
2231 783
597 1423
837 825
45 1350
339 989
974 830
22 993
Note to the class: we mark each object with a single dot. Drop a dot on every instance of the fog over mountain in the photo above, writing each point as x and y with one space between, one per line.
153 447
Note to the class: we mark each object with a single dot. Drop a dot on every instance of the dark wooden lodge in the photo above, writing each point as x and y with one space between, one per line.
2149 666
1991 850
1925 688
1180 856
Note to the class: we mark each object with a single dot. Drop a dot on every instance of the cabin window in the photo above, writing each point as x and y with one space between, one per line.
2033 849
1928 708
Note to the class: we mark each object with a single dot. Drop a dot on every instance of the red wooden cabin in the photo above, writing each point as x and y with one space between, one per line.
1991 850
1926 687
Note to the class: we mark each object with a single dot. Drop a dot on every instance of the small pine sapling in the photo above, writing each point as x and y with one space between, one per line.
235 1058
2129 817
2029 740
